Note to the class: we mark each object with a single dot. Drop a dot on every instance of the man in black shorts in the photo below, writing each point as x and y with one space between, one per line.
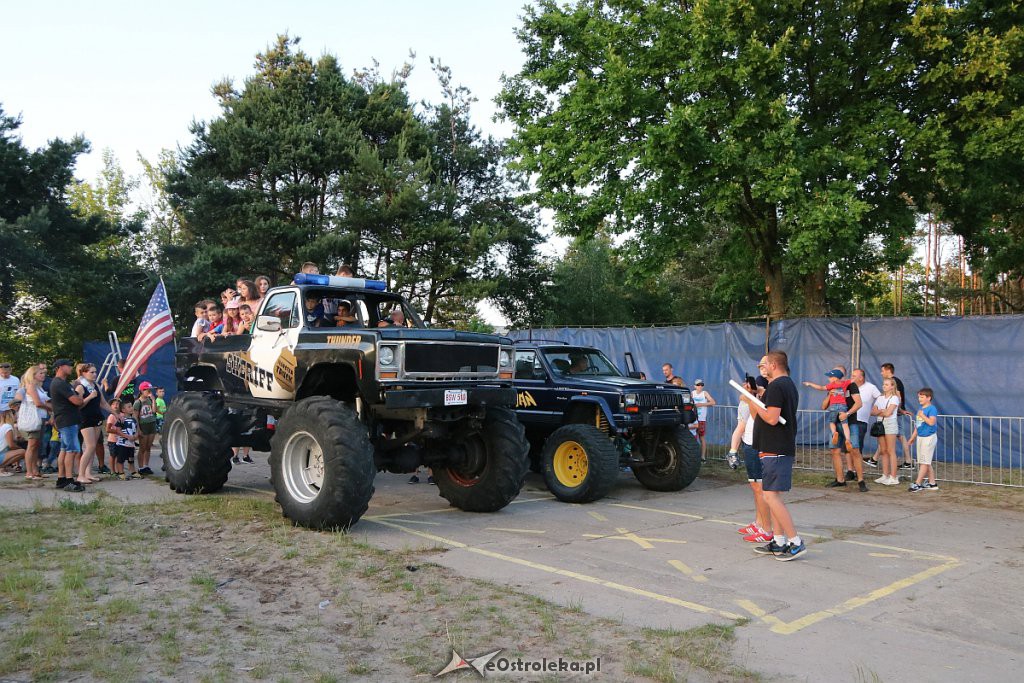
776 446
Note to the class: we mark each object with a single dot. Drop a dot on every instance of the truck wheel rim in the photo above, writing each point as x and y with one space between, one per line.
302 465
664 458
570 464
176 444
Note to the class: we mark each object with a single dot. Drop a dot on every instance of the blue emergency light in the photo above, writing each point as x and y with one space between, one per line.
337 281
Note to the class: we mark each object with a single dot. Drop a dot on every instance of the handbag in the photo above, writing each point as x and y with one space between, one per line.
877 429
28 417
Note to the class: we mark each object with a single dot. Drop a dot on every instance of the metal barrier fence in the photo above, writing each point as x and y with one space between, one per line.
971 449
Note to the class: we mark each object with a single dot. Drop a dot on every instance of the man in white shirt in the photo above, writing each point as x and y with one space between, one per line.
868 393
8 386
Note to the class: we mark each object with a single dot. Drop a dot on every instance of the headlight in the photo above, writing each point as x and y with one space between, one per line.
505 359
386 355
629 400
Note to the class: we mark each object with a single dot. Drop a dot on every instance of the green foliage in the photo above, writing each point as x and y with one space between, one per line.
304 164
784 123
66 276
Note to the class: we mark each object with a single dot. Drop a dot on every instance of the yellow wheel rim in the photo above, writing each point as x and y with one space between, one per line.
570 464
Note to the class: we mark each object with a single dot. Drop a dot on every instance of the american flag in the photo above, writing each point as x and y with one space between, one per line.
155 330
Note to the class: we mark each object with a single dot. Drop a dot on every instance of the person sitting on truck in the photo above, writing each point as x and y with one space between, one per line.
344 315
395 319
314 311
578 363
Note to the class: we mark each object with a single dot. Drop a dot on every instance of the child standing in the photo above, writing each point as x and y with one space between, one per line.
124 429
926 420
145 417
836 389
161 408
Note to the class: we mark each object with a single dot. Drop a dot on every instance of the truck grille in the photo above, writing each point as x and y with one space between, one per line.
666 399
438 360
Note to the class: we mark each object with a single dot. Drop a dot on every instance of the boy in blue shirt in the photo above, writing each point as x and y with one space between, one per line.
926 421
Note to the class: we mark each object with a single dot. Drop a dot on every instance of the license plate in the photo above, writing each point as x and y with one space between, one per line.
455 397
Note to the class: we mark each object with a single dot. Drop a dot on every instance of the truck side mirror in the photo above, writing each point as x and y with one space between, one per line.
268 323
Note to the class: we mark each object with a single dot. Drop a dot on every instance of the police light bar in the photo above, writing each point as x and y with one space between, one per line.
336 281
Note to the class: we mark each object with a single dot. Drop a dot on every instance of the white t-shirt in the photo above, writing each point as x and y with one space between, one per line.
743 413
869 393
43 398
702 411
7 388
5 429
882 403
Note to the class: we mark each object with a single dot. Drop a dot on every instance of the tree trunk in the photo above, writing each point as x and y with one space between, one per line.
774 287
814 293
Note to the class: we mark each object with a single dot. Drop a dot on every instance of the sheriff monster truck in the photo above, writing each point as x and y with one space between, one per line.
337 400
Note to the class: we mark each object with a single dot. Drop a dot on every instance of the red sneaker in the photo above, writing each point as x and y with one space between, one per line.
748 529
757 537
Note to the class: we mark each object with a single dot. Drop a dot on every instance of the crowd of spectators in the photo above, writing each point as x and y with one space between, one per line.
53 424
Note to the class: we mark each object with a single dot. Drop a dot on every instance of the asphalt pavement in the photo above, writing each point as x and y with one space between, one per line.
894 585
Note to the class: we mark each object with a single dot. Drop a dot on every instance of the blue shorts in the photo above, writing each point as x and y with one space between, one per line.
854 434
752 462
69 442
858 438
778 472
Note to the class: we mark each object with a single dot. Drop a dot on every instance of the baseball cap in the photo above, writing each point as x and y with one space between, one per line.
698 382
61 362
5 365
834 373
761 381
234 303
144 386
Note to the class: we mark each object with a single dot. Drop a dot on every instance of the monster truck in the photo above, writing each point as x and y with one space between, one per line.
585 419
336 404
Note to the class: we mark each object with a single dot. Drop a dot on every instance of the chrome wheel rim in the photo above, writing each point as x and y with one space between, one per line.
176 444
302 467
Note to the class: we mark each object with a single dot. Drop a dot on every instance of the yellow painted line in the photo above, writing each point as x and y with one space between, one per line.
626 535
756 611
598 516
421 521
910 551
622 588
883 555
789 628
700 578
515 531
664 512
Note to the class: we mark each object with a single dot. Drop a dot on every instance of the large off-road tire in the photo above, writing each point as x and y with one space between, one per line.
486 470
580 463
196 443
676 461
321 464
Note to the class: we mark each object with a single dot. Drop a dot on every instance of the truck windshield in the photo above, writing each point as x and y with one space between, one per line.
569 360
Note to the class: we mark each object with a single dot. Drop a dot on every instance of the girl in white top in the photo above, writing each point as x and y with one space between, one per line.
10 454
885 409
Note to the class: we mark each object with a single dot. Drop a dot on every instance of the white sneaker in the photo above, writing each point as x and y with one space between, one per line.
882 480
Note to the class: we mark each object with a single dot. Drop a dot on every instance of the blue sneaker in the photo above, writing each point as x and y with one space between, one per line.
790 552
772 548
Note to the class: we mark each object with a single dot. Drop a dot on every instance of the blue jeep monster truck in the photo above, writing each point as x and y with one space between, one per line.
585 419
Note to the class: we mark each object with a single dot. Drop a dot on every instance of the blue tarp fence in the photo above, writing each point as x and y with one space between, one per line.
973 364
159 370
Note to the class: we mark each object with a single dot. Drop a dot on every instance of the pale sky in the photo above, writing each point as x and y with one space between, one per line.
131 76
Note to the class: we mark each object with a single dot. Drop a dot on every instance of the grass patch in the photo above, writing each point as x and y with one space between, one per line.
669 655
